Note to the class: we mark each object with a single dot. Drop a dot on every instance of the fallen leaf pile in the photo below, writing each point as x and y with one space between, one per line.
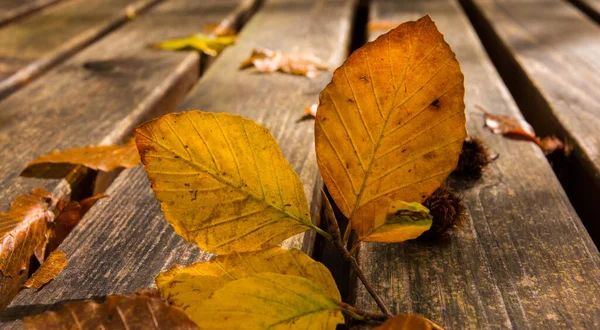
208 44
390 127
269 61
103 158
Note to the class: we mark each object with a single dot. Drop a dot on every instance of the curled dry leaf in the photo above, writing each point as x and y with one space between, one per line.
103 158
403 221
509 126
52 266
222 181
24 231
268 61
391 124
118 312
68 218
408 322
269 301
380 25
207 44
23 234
187 287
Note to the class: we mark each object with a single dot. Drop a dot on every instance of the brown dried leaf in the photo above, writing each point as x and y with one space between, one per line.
104 158
381 25
24 231
408 322
118 312
69 217
509 126
268 61
54 264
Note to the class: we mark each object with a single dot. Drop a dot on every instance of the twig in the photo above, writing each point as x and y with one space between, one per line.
359 314
334 230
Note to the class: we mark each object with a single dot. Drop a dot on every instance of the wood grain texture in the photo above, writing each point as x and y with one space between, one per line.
11 10
101 94
524 259
549 60
34 44
123 243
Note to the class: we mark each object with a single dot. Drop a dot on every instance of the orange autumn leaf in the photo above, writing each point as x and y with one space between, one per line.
269 61
390 127
509 126
52 266
68 218
103 158
118 312
24 231
408 322
381 25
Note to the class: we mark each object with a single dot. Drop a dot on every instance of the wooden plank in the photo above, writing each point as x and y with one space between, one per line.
524 259
124 241
36 43
549 61
76 105
11 10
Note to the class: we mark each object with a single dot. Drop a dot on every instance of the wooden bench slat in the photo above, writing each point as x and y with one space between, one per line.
74 106
11 10
547 52
524 259
31 46
124 241
590 7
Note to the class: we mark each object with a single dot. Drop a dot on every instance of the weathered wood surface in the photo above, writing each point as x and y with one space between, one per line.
32 45
124 241
549 60
11 10
524 259
101 94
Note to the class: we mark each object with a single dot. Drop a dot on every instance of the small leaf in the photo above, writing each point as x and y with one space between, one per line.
68 218
24 231
408 322
52 266
391 123
552 144
187 287
118 312
103 158
509 126
269 301
403 221
268 61
209 45
222 181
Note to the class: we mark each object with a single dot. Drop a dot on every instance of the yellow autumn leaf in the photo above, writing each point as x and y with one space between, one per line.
268 301
208 44
408 322
186 287
391 123
103 158
222 181
401 222
52 266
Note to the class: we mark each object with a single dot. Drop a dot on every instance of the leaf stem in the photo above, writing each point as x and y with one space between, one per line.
334 230
361 315
323 233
